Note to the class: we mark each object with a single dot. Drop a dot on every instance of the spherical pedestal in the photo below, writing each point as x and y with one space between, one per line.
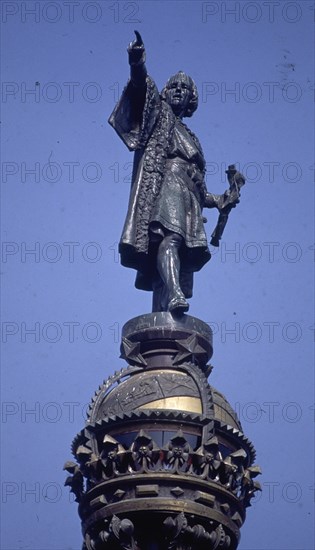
162 461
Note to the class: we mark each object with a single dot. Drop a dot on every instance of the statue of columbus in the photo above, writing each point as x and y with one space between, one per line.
164 237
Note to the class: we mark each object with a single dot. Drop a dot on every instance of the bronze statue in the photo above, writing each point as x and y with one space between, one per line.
162 462
164 237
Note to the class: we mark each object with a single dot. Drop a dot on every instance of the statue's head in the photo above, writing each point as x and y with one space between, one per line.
180 92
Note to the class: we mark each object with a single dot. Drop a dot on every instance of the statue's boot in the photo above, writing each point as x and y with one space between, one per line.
168 264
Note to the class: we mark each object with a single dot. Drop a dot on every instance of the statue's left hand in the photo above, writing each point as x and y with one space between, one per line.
229 203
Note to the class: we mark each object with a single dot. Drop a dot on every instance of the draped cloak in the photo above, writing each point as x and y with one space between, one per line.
167 189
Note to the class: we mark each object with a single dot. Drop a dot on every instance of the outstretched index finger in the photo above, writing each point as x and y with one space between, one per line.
139 41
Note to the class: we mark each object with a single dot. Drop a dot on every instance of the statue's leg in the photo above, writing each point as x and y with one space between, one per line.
159 299
168 264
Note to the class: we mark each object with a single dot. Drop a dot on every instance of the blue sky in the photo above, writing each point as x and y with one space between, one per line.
65 186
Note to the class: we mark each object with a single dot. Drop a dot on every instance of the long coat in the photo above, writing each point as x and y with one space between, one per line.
167 190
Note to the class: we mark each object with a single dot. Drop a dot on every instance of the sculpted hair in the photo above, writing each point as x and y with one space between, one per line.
193 103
